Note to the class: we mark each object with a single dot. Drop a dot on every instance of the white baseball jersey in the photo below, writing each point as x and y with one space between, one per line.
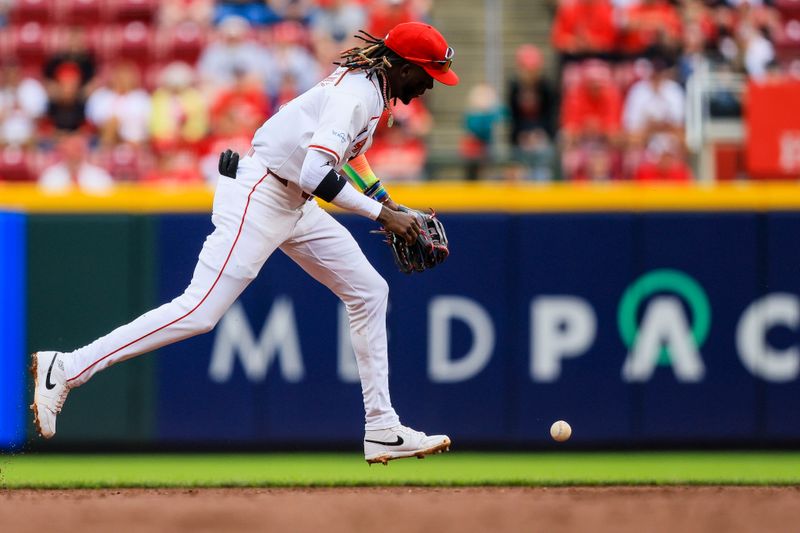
254 215
337 117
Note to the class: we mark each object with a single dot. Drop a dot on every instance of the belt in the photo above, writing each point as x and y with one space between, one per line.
285 183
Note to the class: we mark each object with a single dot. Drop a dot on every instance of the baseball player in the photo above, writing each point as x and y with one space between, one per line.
300 152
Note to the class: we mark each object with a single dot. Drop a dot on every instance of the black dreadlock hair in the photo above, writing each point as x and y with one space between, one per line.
373 58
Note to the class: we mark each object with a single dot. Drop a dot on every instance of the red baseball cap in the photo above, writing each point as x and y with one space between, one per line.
423 45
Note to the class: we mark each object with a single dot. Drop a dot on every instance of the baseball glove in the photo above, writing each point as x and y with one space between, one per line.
429 250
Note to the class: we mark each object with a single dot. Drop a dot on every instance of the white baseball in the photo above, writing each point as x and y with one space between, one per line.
560 431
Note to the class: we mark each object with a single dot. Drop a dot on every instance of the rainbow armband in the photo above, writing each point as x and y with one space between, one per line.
360 173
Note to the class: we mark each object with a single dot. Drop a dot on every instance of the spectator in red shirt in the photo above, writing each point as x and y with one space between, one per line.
235 114
663 162
244 99
597 165
590 117
403 143
386 14
584 28
648 25
592 109
414 117
398 155
175 168
698 15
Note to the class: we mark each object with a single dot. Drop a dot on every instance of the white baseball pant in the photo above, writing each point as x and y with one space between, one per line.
253 215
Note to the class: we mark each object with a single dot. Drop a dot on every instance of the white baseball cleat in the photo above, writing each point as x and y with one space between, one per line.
50 390
383 445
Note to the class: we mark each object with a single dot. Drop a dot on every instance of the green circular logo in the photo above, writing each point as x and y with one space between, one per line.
664 280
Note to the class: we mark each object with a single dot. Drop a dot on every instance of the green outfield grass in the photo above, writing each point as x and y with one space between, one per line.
453 469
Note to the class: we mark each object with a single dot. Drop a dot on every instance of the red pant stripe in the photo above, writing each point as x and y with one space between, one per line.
241 225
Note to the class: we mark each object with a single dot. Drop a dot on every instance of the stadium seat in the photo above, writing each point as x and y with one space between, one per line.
133 41
57 37
23 11
14 165
788 8
82 12
787 42
131 10
183 42
28 44
125 162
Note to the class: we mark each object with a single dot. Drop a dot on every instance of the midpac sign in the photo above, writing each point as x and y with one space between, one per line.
663 318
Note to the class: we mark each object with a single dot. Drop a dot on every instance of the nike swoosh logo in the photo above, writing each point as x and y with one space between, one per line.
47 381
398 442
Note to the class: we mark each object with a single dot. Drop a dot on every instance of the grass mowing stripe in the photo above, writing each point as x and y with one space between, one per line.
453 469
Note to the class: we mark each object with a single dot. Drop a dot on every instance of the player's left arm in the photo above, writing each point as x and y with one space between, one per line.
361 175
429 249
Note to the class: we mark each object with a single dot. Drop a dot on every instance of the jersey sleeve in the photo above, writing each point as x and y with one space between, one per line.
342 117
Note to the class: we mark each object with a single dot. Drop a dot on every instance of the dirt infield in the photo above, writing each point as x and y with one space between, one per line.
406 510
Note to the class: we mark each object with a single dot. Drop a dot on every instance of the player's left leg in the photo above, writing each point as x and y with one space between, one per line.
327 251
252 215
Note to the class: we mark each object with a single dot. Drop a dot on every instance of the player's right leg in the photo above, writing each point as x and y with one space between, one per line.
195 311
250 222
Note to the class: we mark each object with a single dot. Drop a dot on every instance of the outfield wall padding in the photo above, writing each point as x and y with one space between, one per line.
717 364
638 328
87 275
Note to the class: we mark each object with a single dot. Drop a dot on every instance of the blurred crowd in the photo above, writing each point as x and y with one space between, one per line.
96 92
616 108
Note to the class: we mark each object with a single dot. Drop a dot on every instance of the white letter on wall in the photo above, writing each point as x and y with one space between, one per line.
762 360
441 311
278 340
561 327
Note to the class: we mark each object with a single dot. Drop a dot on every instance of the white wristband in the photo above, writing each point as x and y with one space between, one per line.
352 200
